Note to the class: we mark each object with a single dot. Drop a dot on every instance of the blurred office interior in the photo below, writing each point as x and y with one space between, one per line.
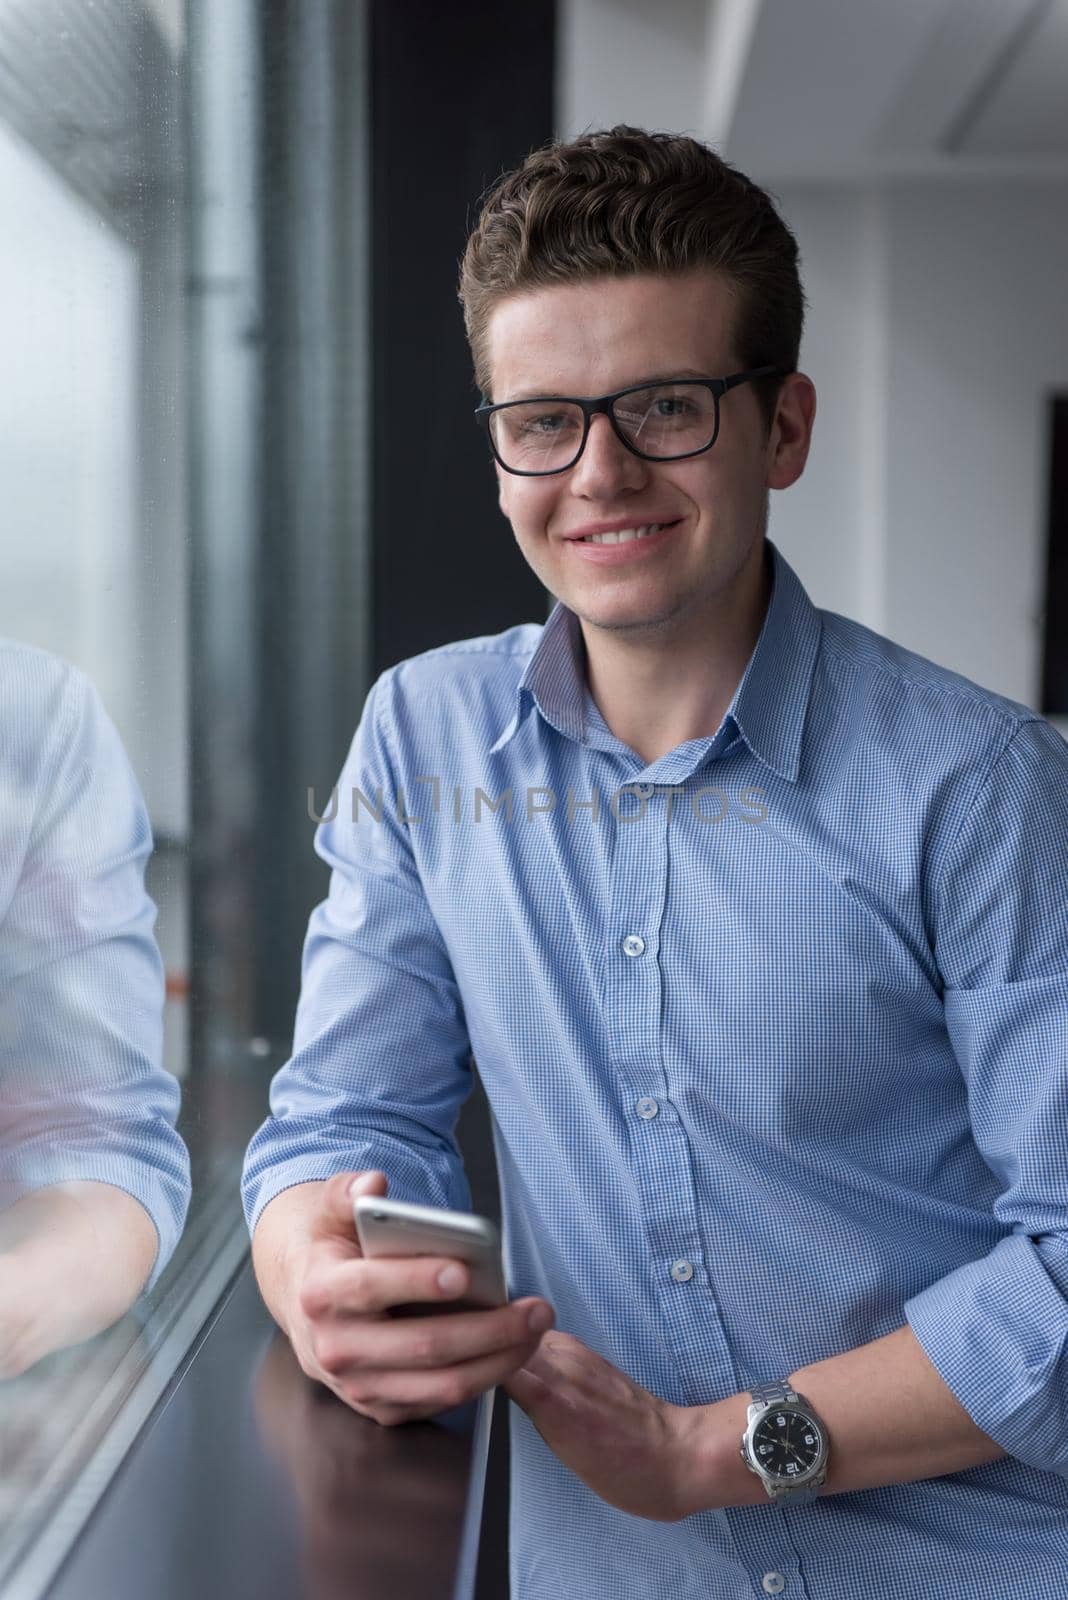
241 475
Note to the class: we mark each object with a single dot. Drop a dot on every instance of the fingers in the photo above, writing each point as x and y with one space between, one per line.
428 1344
399 1395
356 1286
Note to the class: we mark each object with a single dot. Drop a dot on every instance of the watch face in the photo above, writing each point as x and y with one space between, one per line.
786 1443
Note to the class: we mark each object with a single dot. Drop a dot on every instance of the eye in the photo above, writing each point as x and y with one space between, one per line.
671 407
545 424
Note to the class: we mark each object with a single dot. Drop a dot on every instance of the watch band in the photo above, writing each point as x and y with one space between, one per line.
772 1393
766 1395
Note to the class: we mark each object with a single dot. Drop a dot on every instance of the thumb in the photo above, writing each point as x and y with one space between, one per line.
369 1182
339 1194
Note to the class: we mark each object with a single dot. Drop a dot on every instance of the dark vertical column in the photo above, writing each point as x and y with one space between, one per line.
459 94
1054 701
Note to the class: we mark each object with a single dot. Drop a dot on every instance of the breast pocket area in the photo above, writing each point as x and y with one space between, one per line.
794 1013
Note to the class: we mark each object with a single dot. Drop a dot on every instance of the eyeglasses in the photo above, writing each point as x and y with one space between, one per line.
661 421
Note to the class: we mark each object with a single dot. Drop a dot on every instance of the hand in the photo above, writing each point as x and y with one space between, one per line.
395 1369
629 1447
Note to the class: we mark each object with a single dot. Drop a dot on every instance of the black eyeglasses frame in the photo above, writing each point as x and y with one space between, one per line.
603 406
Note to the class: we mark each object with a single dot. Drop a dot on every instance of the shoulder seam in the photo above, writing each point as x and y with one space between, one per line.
980 784
974 696
463 648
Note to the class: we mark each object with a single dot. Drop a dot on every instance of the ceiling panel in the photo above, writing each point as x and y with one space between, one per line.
1024 111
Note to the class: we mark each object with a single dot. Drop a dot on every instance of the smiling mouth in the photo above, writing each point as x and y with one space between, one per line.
624 535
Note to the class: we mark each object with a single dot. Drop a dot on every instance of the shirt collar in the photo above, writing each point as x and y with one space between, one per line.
769 703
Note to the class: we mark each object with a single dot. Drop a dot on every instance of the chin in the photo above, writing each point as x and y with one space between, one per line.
626 618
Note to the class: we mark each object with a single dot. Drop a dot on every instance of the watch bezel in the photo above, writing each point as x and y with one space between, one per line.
782 1481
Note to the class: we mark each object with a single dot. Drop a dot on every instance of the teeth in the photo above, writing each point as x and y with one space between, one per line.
624 535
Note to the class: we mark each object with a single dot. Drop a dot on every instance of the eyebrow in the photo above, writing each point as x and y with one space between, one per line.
657 377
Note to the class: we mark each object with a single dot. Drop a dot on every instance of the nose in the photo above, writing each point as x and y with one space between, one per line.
606 465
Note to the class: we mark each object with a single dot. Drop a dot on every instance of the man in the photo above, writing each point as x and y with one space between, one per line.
94 1179
765 972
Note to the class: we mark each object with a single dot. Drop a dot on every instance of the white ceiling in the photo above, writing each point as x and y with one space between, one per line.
825 90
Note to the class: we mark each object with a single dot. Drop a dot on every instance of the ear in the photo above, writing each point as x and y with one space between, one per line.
504 481
791 431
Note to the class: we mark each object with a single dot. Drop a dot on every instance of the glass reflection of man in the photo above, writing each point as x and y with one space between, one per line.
770 999
94 1180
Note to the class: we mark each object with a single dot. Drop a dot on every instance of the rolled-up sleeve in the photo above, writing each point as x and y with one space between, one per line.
381 1057
83 1092
996 1329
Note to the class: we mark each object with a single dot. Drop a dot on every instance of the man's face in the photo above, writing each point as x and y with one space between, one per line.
588 339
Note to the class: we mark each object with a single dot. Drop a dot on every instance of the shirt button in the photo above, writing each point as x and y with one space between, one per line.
774 1582
633 944
647 1108
681 1271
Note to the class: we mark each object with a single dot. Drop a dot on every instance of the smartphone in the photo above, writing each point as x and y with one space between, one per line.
395 1228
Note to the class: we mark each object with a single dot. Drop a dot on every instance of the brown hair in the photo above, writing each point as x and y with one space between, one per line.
623 201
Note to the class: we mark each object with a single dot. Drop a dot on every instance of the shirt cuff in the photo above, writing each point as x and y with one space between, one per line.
441 1182
996 1331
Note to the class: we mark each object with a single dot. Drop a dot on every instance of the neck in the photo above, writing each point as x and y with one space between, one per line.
656 693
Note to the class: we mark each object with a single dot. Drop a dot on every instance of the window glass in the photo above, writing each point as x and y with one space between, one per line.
132 1070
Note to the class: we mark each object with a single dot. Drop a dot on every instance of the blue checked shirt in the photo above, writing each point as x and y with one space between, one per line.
774 1031
83 1093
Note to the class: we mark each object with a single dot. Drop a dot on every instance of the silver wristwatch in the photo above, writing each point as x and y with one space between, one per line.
785 1444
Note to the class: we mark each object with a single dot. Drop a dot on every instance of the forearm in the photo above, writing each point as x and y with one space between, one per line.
890 1418
73 1258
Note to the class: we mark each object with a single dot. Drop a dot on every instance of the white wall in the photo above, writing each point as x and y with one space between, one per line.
936 332
978 329
828 523
629 61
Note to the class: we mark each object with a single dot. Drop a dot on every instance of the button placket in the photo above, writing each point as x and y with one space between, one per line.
637 883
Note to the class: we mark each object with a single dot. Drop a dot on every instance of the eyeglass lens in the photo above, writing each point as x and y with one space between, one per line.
669 419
